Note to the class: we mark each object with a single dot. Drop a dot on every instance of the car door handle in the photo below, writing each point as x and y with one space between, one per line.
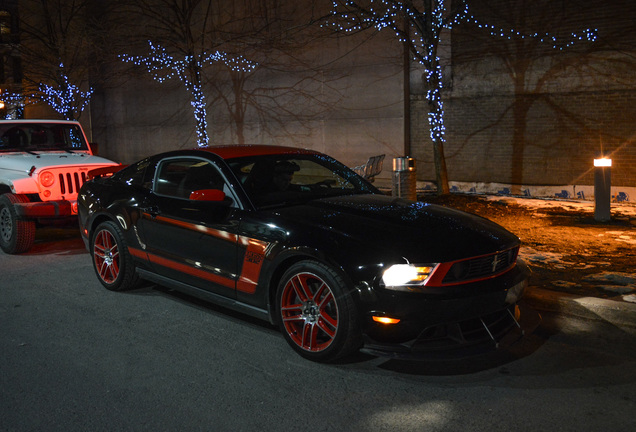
153 211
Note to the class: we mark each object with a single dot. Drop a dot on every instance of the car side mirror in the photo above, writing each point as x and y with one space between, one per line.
214 195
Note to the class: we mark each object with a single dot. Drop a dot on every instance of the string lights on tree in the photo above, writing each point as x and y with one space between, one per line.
14 104
420 25
64 97
163 66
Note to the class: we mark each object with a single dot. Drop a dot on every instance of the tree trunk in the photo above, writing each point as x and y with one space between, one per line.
441 175
200 113
436 124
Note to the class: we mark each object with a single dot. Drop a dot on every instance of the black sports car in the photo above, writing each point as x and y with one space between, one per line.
296 238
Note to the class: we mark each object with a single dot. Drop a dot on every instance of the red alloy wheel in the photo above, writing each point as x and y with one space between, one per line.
309 312
106 255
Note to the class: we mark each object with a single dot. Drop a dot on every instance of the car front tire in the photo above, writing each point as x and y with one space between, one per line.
111 259
317 316
16 235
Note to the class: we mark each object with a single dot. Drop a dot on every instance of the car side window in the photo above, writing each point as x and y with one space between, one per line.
180 177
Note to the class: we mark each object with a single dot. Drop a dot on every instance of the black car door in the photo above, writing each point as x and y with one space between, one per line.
189 240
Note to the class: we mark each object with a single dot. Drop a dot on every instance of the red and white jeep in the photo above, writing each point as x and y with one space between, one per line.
43 164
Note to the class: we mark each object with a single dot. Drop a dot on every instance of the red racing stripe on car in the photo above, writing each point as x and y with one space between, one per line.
193 271
138 253
224 235
252 261
252 264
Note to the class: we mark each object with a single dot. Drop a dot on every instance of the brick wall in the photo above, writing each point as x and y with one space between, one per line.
563 134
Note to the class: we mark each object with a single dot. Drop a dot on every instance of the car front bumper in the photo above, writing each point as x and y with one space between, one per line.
465 338
462 319
46 209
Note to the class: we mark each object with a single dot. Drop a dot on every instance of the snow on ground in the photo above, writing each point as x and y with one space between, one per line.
614 282
618 210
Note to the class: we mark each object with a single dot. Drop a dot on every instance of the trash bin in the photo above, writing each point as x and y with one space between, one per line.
404 178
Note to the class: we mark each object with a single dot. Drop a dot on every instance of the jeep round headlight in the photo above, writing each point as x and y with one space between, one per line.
407 275
47 178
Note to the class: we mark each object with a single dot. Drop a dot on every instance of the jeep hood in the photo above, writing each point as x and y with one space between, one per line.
25 161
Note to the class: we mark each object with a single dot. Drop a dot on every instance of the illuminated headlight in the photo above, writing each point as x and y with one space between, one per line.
47 178
402 276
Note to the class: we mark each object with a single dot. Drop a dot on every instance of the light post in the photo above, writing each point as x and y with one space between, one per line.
602 189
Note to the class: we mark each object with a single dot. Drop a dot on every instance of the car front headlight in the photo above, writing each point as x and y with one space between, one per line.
401 277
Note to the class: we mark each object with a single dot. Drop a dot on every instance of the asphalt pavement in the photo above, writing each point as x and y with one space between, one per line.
76 357
616 312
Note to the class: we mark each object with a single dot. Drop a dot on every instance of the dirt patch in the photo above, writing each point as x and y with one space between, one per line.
564 246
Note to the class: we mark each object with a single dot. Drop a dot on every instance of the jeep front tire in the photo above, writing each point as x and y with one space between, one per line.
16 235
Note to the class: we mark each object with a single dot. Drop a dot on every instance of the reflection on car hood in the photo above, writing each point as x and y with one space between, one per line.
416 230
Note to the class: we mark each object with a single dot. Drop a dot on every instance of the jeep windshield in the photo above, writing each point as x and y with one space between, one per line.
36 137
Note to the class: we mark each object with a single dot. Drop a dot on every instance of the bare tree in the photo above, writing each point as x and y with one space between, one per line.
549 49
228 55
63 45
419 24
289 86
182 38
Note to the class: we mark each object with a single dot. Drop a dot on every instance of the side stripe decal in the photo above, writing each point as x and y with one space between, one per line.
223 235
252 260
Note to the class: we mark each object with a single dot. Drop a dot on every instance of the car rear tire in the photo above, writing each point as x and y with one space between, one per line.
16 235
317 316
112 261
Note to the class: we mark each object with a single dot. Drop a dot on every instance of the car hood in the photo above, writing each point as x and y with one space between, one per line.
24 161
413 230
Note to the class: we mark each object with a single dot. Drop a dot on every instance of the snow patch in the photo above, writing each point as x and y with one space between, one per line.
617 283
531 255
623 279
624 210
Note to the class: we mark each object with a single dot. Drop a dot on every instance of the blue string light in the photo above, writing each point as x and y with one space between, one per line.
163 66
66 98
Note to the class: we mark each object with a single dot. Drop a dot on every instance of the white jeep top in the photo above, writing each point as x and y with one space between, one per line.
49 158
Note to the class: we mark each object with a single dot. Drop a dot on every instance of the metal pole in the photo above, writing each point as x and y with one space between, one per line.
602 189
407 91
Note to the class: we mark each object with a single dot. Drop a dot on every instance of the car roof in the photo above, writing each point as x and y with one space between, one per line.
237 151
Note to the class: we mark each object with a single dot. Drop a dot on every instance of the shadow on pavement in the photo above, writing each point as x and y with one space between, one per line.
57 241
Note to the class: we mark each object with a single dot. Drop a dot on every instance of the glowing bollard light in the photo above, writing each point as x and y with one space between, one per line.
602 189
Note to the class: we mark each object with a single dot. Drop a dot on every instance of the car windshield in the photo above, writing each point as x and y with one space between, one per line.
277 180
33 137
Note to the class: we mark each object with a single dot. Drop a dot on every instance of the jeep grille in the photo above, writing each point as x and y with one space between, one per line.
70 183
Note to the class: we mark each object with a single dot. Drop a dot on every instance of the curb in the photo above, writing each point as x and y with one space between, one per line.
618 313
